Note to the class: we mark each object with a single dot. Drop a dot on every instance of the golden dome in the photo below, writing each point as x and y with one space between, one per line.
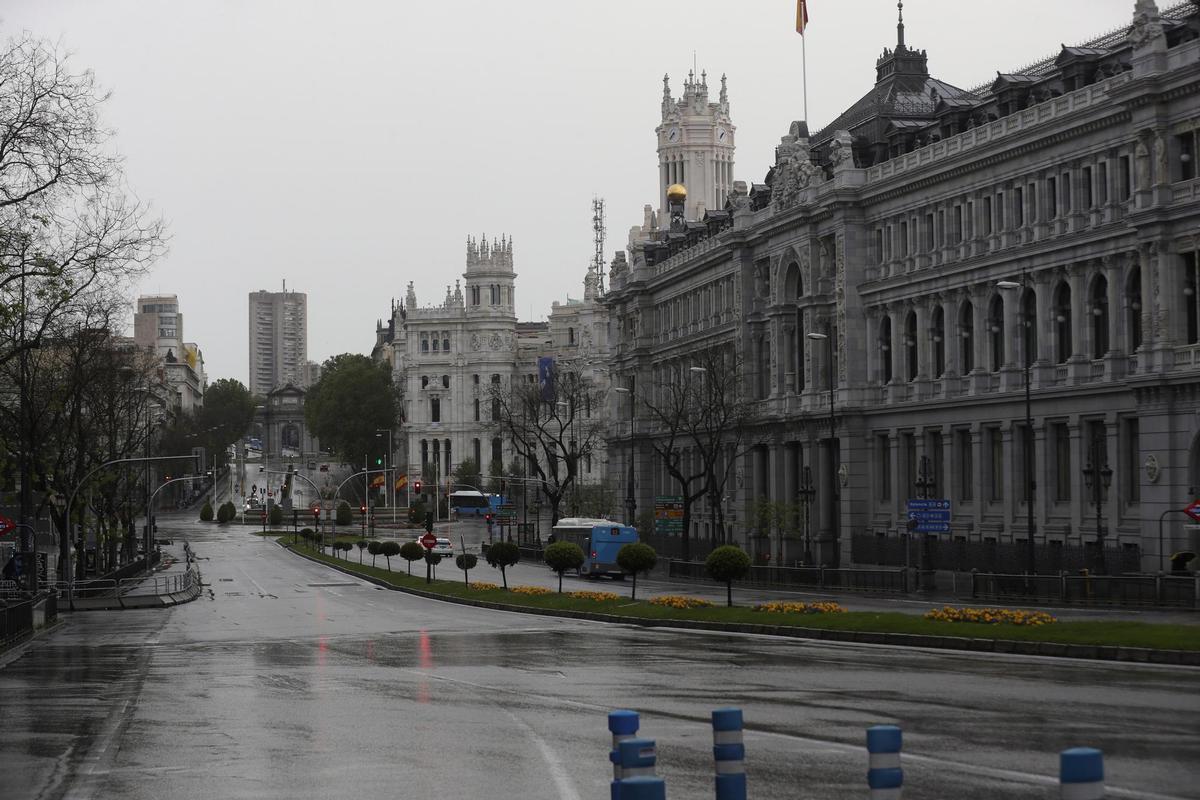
677 193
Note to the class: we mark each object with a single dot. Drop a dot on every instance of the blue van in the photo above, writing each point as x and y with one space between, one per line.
600 541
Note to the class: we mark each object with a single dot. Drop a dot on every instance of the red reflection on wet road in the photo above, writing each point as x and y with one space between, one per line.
425 649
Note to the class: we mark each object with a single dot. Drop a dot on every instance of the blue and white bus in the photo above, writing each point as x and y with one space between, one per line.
600 540
470 503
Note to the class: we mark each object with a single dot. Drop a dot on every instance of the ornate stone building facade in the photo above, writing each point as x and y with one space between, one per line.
952 242
445 356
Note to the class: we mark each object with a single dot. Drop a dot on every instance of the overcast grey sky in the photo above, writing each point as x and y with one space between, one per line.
350 147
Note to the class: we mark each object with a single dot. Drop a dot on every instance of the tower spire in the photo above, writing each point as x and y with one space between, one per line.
900 26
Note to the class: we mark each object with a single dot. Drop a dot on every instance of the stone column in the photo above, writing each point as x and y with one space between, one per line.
1079 362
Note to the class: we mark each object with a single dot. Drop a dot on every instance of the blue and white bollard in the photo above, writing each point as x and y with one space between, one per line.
1081 774
636 758
729 753
623 725
884 775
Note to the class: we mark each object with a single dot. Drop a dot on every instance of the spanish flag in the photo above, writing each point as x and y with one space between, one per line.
377 481
801 16
401 482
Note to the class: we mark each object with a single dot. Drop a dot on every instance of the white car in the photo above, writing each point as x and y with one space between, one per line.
443 547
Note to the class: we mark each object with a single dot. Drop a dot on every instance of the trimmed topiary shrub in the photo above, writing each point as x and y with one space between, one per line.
344 515
375 548
635 558
206 512
275 517
225 513
388 550
562 556
727 564
503 555
466 562
410 552
361 544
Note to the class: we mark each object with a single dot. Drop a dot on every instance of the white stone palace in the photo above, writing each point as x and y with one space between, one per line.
953 243
445 356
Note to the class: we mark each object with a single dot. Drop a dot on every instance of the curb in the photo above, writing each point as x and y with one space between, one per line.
1141 655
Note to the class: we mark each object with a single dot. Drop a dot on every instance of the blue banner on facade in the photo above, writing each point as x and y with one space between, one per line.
546 378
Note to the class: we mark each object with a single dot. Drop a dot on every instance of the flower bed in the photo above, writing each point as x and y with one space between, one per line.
679 601
990 616
531 590
784 607
483 586
599 597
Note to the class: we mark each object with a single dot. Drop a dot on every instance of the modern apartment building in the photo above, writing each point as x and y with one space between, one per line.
278 339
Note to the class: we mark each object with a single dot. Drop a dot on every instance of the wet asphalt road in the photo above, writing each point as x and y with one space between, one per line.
292 681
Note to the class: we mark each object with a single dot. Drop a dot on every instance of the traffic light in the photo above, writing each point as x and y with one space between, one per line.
363 509
417 487
316 513
487 518
379 461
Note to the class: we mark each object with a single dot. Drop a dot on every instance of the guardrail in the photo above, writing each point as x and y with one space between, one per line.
892 581
1146 590
121 589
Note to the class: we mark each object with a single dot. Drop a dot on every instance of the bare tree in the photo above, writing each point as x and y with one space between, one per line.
702 426
71 239
552 426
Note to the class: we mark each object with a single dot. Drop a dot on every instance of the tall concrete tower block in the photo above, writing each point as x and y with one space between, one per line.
695 147
489 282
278 339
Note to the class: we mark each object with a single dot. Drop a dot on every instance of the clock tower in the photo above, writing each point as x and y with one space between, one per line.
695 147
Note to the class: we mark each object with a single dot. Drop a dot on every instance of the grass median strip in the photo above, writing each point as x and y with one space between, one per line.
1108 633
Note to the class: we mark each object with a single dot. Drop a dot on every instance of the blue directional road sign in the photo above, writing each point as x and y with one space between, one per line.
930 516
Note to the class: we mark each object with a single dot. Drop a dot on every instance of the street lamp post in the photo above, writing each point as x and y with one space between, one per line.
387 464
1027 362
630 499
1098 477
833 492
807 493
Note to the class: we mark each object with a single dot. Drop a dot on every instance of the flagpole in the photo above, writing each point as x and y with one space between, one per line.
804 73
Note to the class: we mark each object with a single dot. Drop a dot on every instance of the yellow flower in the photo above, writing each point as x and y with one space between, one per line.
530 590
483 586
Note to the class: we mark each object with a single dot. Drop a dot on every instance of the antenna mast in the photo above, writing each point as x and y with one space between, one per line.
598 231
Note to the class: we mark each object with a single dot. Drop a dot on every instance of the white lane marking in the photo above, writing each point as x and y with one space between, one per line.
558 773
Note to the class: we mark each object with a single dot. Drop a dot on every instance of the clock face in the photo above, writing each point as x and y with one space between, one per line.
720 134
672 134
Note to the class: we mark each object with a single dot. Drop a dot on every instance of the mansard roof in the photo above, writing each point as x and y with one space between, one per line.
907 107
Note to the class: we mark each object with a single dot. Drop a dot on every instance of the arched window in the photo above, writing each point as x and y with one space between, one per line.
793 287
445 381
885 348
424 381
1133 310
446 343
571 336
966 331
937 337
424 345
1029 328
910 345
1099 313
996 332
1063 347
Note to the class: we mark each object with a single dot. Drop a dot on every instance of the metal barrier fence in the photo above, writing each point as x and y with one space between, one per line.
1147 590
16 622
867 580
996 557
19 619
122 588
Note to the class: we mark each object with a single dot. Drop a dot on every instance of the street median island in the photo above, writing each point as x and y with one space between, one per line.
1110 640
